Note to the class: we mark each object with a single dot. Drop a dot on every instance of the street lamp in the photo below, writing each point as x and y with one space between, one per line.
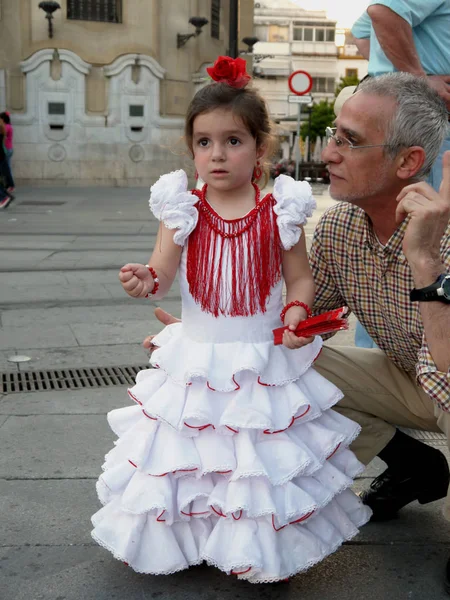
309 106
49 7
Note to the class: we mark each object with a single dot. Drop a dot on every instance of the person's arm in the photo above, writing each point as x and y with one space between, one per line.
363 45
299 286
395 36
429 214
137 280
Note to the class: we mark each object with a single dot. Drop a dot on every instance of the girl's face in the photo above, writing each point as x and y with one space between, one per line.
225 152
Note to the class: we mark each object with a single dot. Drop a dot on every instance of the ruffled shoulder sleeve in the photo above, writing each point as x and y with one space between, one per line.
172 203
294 202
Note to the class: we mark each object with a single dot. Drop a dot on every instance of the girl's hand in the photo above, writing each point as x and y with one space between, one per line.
292 318
136 280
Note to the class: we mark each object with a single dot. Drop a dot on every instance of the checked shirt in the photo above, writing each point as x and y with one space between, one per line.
351 268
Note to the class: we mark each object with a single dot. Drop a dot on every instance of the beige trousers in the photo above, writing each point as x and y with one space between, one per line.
379 396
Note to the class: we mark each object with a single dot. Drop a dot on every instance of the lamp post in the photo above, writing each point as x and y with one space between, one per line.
49 7
309 107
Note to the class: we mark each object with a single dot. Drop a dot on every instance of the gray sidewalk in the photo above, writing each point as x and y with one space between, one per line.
61 305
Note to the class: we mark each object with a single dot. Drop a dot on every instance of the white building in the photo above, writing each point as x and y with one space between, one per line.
290 39
350 62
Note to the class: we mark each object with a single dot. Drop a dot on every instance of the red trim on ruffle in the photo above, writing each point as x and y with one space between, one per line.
219 514
334 451
192 514
320 352
265 384
302 518
132 463
158 518
223 472
199 427
133 397
148 416
238 387
268 432
237 518
292 522
240 572
231 429
209 387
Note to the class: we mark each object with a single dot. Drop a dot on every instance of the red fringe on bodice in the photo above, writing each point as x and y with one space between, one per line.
249 248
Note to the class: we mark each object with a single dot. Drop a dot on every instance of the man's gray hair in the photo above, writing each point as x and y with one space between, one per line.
421 118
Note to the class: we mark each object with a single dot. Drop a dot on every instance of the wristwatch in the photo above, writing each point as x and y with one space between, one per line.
439 290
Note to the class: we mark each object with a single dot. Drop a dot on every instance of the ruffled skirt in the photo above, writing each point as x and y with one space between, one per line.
229 455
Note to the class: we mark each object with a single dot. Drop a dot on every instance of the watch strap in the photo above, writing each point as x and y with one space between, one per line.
427 293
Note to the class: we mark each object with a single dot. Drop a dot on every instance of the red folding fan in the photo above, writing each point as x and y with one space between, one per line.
325 323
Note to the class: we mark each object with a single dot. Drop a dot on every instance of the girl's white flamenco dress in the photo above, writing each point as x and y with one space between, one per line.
231 453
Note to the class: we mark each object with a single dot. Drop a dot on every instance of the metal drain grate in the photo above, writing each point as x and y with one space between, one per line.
68 379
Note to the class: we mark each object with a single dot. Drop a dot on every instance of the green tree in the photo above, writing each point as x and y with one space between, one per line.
322 116
344 82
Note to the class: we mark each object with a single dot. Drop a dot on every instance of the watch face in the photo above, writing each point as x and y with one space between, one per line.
446 287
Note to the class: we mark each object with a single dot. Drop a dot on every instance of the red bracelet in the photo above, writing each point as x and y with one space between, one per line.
155 279
295 303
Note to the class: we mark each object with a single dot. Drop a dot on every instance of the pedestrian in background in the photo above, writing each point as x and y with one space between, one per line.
8 146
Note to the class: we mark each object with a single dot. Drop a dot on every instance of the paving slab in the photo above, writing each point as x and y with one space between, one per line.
54 446
398 572
106 313
34 336
121 332
68 402
47 512
54 294
93 356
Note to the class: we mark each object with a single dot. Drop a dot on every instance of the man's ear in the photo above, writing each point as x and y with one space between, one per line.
409 162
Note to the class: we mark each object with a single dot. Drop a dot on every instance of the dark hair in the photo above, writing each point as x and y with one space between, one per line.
245 103
5 117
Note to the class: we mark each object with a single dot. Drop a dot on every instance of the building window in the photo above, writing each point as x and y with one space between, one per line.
351 73
320 35
136 110
324 85
308 32
278 34
107 11
215 19
56 108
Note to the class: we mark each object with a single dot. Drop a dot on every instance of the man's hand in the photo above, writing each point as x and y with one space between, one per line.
429 214
441 84
166 319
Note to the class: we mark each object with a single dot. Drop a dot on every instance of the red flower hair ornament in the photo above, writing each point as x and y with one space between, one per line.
229 70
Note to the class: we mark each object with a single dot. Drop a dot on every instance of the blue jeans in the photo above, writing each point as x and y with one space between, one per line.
362 338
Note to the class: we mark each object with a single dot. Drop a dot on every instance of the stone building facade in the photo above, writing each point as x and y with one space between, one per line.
102 101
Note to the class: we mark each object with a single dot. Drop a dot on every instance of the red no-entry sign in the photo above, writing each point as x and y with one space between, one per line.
300 82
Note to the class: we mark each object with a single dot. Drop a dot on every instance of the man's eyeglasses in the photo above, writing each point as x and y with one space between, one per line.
344 143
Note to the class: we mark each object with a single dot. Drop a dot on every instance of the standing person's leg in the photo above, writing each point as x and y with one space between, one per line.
6 174
9 154
379 396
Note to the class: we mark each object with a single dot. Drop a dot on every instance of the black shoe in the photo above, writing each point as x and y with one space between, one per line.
447 577
392 490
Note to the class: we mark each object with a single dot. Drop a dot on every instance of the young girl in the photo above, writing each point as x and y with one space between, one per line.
231 454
